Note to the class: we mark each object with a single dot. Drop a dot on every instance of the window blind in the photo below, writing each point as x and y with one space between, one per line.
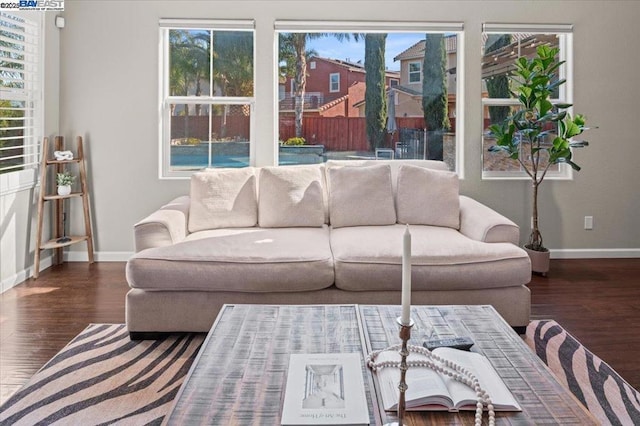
20 92
203 24
366 26
526 28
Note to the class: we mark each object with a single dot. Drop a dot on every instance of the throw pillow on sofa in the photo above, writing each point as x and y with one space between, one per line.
360 196
223 198
291 197
428 197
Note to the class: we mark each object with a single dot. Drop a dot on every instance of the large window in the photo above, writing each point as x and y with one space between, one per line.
207 95
378 109
334 82
415 72
502 46
20 99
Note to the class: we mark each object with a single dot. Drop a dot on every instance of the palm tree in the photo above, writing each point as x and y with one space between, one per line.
287 57
189 56
297 45
233 66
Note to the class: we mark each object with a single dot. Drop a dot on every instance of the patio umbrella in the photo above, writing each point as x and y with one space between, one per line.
391 112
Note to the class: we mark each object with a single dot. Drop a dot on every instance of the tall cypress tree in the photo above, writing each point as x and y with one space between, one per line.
375 99
497 85
434 92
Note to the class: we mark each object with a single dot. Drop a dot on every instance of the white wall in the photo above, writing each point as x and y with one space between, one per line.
109 95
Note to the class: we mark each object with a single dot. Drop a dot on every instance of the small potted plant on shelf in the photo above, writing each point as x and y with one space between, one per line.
64 181
539 134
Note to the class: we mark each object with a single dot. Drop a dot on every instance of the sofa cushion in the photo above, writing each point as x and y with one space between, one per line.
360 196
370 258
428 197
238 259
223 198
291 196
394 164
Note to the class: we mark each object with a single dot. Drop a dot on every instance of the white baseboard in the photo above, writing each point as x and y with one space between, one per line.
69 256
24 275
102 256
595 253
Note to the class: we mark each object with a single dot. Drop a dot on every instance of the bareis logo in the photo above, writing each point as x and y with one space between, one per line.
41 4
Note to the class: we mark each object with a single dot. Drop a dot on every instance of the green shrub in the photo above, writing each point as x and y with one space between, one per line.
294 141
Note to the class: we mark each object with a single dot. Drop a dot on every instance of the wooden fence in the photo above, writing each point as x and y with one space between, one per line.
335 133
197 126
341 133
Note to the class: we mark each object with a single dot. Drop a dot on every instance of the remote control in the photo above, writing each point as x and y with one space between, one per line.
462 343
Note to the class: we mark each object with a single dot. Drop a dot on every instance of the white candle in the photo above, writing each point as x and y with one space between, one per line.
405 318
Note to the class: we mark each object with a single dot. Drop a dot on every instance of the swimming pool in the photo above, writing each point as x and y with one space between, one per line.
195 161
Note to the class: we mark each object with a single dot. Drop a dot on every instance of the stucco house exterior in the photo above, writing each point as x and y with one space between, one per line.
333 88
409 92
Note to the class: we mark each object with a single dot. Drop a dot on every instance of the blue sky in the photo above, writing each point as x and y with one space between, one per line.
330 47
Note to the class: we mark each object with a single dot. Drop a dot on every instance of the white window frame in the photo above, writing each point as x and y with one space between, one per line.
18 180
166 99
333 83
410 73
565 31
456 28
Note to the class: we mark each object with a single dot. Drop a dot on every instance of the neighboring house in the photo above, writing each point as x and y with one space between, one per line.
333 88
409 91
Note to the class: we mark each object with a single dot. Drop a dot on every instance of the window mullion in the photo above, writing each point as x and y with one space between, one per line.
211 85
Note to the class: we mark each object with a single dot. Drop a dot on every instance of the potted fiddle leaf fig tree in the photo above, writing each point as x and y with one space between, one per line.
539 134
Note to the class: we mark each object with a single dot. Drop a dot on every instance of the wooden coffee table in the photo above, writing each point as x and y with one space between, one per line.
240 373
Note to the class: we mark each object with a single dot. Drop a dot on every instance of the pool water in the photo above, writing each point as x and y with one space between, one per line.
201 161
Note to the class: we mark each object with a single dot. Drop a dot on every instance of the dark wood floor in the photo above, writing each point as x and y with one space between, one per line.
598 301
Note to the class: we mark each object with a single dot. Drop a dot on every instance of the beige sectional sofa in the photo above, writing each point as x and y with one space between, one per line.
319 234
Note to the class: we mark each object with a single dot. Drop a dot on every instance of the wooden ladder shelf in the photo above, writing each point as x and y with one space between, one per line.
60 239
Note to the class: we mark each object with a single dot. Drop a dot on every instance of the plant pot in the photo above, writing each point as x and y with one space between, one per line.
539 260
64 189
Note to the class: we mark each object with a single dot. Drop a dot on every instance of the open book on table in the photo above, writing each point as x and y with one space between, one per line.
429 390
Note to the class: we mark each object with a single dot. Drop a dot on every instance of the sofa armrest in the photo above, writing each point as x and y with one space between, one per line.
482 223
165 226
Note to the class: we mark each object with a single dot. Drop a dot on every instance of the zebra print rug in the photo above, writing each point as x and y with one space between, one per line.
102 377
610 399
